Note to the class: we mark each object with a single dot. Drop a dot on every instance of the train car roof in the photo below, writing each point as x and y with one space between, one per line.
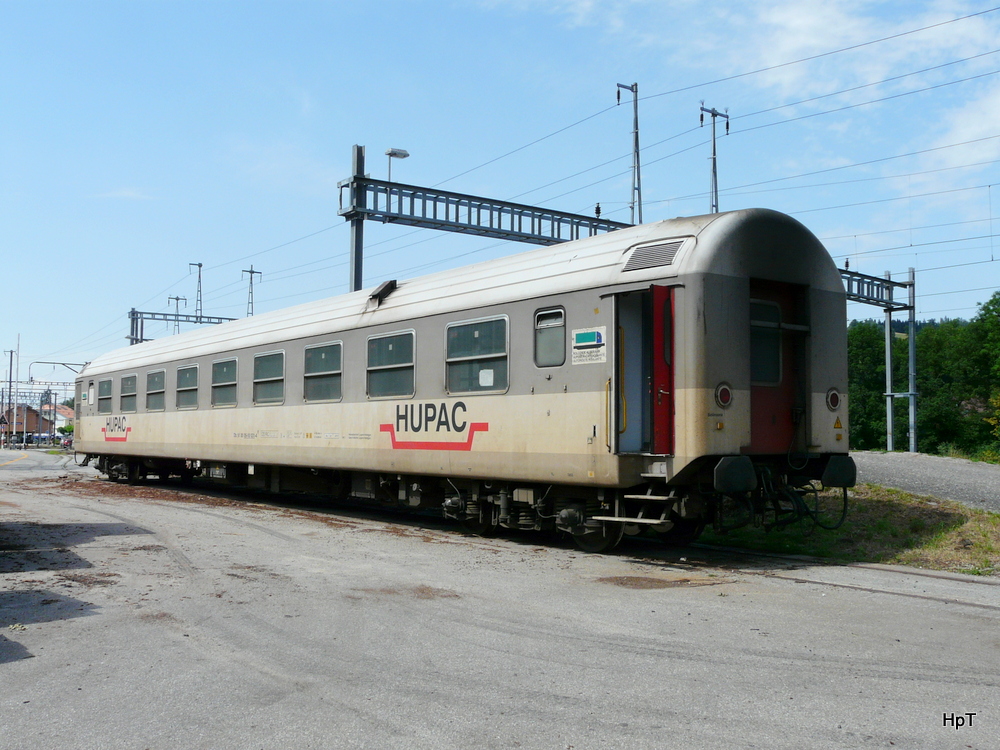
698 244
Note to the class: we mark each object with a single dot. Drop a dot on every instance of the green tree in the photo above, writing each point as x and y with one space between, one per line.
986 330
986 326
994 419
866 384
949 404
958 382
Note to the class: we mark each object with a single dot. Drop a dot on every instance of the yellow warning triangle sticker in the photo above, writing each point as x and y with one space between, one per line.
837 425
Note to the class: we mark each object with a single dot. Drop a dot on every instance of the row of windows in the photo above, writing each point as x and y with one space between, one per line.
476 362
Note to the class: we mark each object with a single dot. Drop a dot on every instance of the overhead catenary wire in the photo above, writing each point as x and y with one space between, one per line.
869 85
772 109
889 200
912 245
759 127
580 121
767 69
276 247
464 254
890 97
735 76
902 229
950 309
841 167
729 191
862 179
740 75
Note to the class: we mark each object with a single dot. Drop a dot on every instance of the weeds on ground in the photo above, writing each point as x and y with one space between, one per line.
887 526
989 454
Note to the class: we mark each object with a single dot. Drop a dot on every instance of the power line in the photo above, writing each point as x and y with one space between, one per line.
822 54
924 253
956 265
961 291
722 80
619 174
901 229
771 109
865 85
87 340
527 145
707 83
730 190
276 247
850 182
450 258
911 245
889 200
951 309
864 104
842 166
767 125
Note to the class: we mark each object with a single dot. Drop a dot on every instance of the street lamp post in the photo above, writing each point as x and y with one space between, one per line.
395 153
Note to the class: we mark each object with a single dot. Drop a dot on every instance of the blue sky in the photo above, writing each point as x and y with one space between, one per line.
138 137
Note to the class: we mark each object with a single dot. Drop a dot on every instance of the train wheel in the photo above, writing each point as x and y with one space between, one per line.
684 532
338 486
134 472
604 540
481 524
478 526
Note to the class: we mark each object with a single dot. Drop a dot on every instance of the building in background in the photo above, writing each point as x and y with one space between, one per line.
25 420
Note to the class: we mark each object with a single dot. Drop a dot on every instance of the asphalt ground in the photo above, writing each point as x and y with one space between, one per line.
155 617
971 482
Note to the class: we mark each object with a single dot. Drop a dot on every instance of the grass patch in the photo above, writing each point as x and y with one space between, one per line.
988 454
888 526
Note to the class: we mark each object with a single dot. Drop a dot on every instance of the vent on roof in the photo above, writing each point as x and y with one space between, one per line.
384 290
651 256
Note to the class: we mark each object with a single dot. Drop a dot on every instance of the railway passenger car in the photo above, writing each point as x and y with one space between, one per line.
637 380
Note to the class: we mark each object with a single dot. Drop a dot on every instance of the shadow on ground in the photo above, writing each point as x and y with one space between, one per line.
27 546
33 606
882 525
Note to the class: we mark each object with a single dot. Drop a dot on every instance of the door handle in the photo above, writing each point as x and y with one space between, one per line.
659 394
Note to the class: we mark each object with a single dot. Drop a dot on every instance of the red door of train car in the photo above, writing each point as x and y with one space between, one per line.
776 342
663 370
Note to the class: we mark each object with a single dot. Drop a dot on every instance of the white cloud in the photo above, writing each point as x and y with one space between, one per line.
972 122
791 33
726 38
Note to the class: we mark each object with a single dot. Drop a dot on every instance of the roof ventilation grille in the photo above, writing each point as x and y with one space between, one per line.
651 256
381 292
